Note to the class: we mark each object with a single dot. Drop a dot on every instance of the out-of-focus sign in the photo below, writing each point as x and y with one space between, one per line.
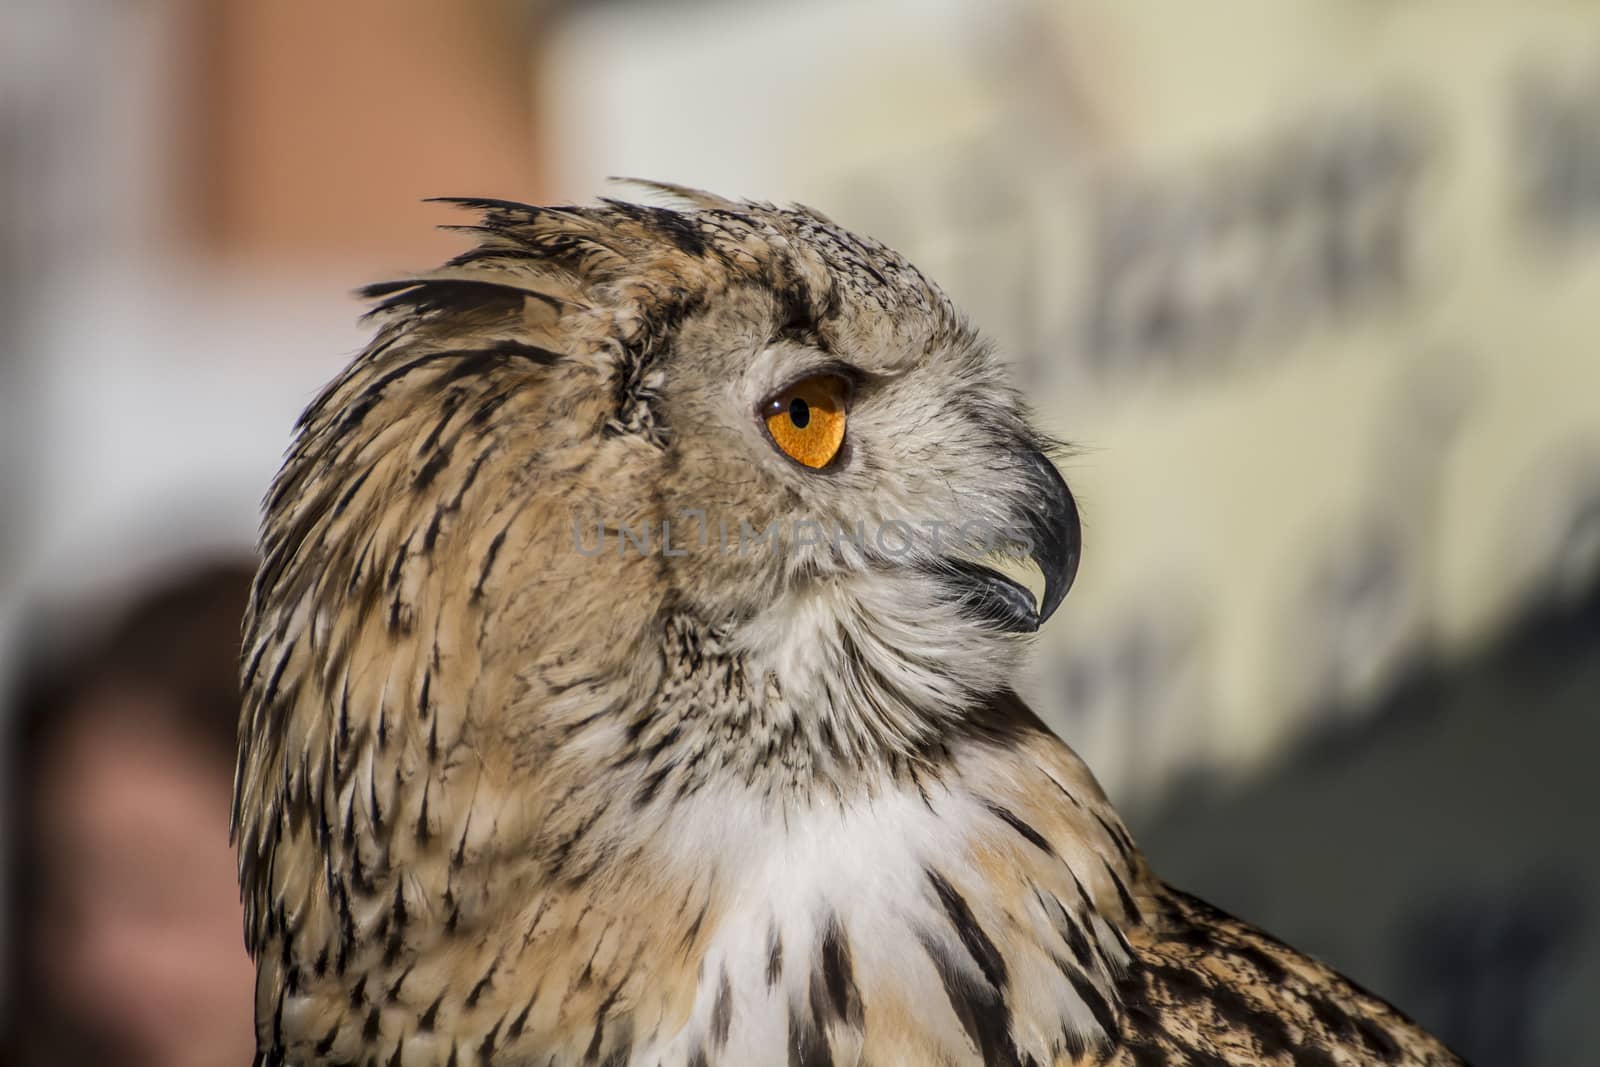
1314 288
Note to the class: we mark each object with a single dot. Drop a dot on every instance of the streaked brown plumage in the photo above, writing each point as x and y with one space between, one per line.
506 798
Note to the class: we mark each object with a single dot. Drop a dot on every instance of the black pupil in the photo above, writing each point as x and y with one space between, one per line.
799 413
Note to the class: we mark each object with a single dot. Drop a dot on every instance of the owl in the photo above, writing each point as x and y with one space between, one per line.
629 681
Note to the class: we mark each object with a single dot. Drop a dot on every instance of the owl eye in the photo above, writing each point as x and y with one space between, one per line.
806 420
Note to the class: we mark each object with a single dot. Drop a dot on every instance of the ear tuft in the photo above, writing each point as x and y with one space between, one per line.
685 195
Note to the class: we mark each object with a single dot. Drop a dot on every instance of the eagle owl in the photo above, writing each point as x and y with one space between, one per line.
612 699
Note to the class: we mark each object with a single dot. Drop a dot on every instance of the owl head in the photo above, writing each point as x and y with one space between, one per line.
602 417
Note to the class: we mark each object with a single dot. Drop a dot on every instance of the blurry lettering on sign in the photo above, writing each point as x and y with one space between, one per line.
1555 132
1188 271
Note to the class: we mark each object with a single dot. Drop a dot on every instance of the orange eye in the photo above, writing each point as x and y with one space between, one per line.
806 420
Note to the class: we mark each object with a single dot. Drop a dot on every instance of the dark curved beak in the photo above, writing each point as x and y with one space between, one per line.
1049 533
1056 537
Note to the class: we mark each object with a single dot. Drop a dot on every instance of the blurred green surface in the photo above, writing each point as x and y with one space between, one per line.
1445 854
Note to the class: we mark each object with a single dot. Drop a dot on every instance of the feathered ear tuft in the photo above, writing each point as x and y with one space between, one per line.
684 194
486 203
414 291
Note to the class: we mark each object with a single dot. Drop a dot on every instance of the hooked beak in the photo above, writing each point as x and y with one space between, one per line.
1052 539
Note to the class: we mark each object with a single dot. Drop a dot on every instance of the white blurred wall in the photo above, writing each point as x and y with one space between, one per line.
147 398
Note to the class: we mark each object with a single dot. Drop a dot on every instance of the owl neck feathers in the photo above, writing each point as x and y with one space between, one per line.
775 888
673 862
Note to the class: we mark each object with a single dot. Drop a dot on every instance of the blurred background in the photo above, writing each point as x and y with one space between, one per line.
1313 285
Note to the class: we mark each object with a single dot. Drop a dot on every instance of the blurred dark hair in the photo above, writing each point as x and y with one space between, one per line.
177 640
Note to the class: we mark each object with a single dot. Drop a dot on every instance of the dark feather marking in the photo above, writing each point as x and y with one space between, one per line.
973 939
1123 845
459 856
350 491
276 678
1073 1044
359 571
916 780
447 408
483 412
423 834
430 470
1270 1031
722 1012
1065 791
838 974
1332 1016
1271 970
1180 983
694 927
1378 1040
514 1031
503 350
1129 908
462 293
397 925
430 1016
470 363
471 476
680 229
592 1054
639 725
796 318
347 931
356 411
807 1045
1067 925
497 253
563 849
502 212
979 1007
431 537
774 955
488 563
1092 998
253 665
661 744
486 1049
651 786
586 976
399 619
277 1022
1010 818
